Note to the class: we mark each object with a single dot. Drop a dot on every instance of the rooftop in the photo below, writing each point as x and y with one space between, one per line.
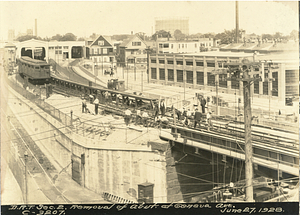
219 54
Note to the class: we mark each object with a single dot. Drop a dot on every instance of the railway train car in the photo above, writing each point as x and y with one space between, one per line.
36 71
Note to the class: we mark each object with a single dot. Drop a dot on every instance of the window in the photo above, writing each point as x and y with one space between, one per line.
66 47
223 80
137 44
200 78
171 46
60 52
189 63
59 47
178 45
275 84
179 62
256 87
235 84
153 60
161 74
170 62
160 45
182 46
195 45
36 67
199 63
162 61
56 52
189 77
210 64
153 73
100 42
179 75
104 51
170 75
265 88
210 79
166 45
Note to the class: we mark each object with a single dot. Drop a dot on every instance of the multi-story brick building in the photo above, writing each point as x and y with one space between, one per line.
196 71
185 46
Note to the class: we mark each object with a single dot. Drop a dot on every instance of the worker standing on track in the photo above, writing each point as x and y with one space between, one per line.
203 103
96 103
197 118
127 116
145 117
83 105
208 118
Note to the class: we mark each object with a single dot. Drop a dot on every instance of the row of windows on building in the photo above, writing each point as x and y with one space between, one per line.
58 47
100 51
138 51
188 63
211 80
167 45
136 43
99 60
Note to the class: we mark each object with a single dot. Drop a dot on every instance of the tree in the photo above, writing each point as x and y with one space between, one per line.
278 35
178 35
93 36
267 36
228 36
161 34
209 35
294 35
120 37
56 37
81 39
26 37
69 37
141 35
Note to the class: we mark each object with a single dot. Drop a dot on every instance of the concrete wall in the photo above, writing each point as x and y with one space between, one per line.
116 170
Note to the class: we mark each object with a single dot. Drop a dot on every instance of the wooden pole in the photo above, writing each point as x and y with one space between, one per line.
248 142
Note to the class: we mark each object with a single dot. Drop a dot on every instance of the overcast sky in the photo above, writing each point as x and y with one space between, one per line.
120 17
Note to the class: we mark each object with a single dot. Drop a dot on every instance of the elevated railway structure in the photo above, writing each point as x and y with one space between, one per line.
273 148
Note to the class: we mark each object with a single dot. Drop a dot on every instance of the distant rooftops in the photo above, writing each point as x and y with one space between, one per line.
219 54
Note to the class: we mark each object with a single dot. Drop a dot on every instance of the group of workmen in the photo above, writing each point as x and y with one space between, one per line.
143 117
159 108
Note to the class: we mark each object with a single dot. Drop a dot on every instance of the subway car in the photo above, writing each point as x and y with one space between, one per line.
36 71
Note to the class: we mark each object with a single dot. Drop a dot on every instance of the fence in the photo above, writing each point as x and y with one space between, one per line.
36 98
16 165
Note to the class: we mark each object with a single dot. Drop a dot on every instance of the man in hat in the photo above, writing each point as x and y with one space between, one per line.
127 117
197 118
83 104
96 103
208 118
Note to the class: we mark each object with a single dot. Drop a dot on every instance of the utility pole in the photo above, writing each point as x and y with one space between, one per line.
245 71
127 73
142 80
134 69
148 59
216 73
184 83
25 174
217 97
